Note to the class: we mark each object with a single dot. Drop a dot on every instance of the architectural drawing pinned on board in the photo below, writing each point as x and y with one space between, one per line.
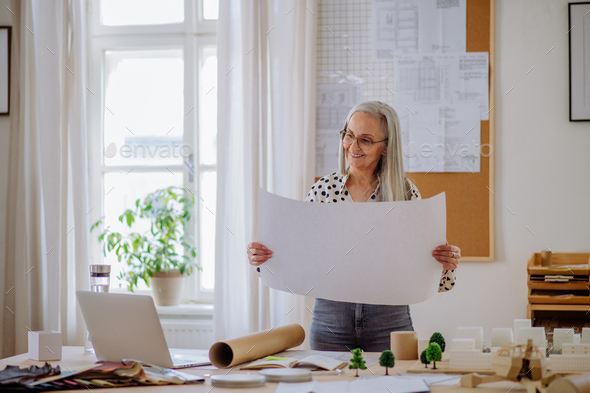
462 130
439 138
373 253
417 26
333 104
447 79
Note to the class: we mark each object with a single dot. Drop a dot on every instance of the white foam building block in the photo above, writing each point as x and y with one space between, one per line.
45 345
577 339
422 344
537 334
501 337
463 344
569 362
518 323
475 333
576 349
471 360
585 335
561 336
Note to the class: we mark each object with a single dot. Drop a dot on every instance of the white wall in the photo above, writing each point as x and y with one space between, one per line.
542 172
5 20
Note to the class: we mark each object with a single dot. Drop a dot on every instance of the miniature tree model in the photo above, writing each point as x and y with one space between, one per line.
357 361
424 359
434 354
387 360
439 339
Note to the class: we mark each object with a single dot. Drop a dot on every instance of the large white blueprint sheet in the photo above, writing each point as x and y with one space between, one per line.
439 138
447 79
373 253
333 104
417 26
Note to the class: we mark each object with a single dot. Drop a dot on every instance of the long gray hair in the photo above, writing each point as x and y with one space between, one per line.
393 183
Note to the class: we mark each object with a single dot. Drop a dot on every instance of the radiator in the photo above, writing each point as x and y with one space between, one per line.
186 333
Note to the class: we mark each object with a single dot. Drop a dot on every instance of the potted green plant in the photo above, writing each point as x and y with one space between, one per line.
164 255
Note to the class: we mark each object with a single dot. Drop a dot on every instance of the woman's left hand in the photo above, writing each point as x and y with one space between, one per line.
448 256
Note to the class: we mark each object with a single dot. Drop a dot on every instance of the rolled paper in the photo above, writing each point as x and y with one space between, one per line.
404 345
239 350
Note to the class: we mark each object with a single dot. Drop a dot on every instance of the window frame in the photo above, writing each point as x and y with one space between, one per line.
190 36
188 26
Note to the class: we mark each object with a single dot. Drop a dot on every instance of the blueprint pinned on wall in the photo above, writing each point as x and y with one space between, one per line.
449 79
417 26
439 138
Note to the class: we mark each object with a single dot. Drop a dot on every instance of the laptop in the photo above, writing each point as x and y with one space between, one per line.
127 327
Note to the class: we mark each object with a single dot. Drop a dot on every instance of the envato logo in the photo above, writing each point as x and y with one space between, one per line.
140 150
463 150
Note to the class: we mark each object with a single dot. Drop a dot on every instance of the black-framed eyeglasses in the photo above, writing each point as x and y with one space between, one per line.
363 143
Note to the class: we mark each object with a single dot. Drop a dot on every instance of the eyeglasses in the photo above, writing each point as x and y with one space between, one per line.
363 143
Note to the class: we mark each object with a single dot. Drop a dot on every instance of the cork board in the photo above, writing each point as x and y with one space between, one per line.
470 198
470 204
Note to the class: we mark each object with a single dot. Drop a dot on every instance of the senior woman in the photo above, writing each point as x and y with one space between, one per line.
370 170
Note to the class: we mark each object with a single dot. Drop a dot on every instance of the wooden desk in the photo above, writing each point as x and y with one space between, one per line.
72 356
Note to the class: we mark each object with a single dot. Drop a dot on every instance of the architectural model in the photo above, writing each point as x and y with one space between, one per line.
574 357
468 345
467 350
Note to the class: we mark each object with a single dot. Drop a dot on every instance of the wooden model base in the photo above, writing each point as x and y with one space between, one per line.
443 367
540 386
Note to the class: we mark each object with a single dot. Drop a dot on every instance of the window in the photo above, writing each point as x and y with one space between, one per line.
153 116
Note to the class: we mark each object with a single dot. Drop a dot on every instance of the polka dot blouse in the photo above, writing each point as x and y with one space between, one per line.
332 189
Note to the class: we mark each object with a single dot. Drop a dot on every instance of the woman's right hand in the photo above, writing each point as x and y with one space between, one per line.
258 254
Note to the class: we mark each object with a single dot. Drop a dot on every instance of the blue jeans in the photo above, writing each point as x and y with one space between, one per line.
340 326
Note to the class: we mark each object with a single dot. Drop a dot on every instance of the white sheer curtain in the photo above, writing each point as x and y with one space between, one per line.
47 227
266 138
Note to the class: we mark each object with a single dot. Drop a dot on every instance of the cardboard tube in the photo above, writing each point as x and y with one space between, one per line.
238 350
571 384
404 345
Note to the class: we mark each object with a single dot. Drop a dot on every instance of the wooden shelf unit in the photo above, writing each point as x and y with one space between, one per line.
560 304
